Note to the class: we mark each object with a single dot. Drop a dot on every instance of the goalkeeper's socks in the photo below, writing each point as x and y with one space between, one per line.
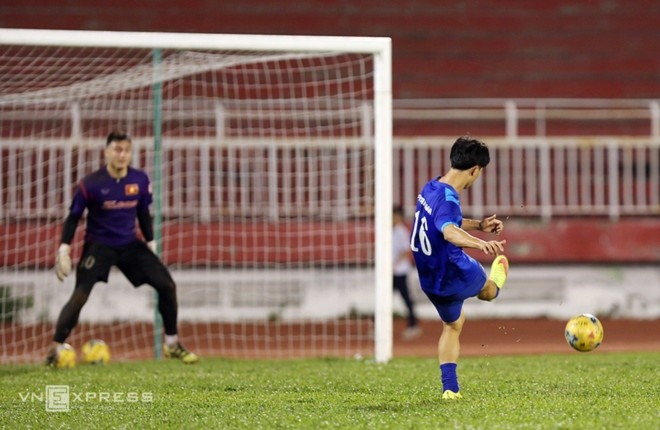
171 340
449 379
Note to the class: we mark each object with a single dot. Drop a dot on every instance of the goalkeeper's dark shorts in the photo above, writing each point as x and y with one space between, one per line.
136 261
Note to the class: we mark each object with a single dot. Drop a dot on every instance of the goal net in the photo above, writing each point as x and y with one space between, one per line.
270 161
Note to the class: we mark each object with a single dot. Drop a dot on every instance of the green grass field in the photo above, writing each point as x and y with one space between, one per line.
571 391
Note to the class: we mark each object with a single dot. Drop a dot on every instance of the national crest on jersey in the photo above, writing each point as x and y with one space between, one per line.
131 189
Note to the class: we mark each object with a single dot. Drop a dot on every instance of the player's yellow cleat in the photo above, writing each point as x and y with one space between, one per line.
181 353
450 395
499 270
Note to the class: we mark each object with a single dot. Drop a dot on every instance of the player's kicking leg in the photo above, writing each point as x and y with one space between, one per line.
498 273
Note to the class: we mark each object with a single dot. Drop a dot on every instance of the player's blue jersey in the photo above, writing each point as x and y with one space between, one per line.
441 265
112 205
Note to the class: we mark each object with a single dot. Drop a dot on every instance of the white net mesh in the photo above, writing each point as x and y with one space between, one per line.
266 196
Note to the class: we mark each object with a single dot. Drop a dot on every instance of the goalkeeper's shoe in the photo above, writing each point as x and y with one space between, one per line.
499 270
51 357
450 395
178 351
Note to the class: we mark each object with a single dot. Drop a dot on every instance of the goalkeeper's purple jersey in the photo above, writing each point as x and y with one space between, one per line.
443 267
112 205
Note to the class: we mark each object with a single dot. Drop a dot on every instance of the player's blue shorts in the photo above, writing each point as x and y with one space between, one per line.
449 306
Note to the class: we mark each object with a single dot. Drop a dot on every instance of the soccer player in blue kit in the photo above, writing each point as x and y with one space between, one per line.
114 197
447 274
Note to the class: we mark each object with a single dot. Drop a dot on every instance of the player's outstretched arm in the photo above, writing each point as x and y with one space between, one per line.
463 239
493 247
489 225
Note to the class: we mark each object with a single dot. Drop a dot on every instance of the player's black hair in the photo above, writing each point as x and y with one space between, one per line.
397 210
117 136
468 152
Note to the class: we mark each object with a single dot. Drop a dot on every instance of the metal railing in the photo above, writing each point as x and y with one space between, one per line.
544 177
539 117
535 172
550 156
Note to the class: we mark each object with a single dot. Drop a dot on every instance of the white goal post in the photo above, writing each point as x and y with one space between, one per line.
271 161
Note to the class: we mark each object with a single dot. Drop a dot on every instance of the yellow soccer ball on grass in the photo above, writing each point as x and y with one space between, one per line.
95 351
65 357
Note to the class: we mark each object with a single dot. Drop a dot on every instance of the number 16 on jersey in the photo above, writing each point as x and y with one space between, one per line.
420 227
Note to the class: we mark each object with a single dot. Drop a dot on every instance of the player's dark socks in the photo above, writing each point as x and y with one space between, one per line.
68 318
449 378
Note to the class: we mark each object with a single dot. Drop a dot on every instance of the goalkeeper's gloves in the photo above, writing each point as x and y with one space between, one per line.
63 262
152 245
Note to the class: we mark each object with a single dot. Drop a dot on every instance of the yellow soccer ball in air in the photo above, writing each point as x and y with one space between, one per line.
584 332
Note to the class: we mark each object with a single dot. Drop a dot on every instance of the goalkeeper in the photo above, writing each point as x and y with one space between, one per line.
114 197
